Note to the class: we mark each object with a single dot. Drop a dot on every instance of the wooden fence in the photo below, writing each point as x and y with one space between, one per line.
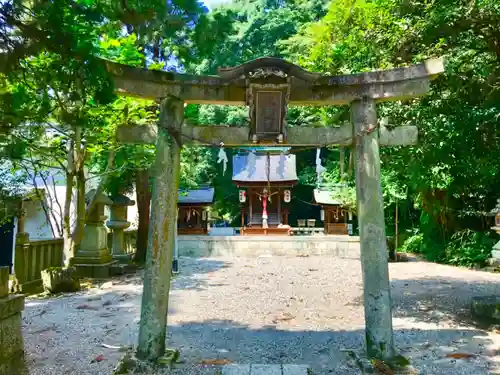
34 256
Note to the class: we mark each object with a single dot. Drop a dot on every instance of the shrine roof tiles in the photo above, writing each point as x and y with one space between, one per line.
280 170
203 195
325 197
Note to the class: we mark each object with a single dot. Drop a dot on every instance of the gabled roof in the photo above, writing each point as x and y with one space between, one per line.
269 63
280 169
325 196
203 195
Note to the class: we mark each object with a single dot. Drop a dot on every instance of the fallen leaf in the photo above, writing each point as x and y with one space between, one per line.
107 285
313 269
99 358
43 312
110 346
382 368
302 255
460 355
86 307
283 318
43 330
215 362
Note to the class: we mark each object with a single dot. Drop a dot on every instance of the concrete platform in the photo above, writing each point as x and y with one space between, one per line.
251 246
258 369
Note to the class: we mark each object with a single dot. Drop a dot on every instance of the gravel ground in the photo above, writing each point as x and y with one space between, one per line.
269 310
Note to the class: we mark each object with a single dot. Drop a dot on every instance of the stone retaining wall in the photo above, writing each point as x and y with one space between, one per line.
11 338
213 246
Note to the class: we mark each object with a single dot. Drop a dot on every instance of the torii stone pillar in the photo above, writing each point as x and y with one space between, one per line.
374 253
161 238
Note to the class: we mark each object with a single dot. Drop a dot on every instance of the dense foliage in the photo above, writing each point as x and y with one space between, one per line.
58 110
458 122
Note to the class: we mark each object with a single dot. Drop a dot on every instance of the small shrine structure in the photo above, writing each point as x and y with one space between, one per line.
193 210
334 216
265 177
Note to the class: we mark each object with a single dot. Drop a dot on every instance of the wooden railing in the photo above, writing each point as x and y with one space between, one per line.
130 239
31 258
34 256
336 228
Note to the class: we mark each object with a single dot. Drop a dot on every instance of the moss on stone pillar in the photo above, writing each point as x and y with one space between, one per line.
374 253
158 266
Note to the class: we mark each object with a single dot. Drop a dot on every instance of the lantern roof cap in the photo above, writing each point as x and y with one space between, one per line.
496 210
122 200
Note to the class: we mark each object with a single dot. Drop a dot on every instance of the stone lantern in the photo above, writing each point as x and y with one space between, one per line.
118 223
92 258
497 215
495 253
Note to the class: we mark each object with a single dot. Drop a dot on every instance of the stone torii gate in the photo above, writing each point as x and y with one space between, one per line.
268 86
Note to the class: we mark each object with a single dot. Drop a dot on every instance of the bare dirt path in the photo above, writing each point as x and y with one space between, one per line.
269 310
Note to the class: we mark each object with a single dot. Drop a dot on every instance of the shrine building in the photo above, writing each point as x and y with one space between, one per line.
193 210
265 177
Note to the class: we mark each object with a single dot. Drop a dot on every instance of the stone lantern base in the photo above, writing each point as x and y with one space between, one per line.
93 258
93 270
494 261
11 338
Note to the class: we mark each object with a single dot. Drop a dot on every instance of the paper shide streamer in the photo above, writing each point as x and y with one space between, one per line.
319 168
222 158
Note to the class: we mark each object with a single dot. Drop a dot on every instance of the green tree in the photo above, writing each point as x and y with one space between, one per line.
458 126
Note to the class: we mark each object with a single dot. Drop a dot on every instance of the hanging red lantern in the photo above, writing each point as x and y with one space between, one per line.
243 196
287 196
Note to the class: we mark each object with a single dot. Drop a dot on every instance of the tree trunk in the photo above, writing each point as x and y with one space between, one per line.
74 168
143 197
68 240
43 201
102 182
52 219
80 210
68 253
161 239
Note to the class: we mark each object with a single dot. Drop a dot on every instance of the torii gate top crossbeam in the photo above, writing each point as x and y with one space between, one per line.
306 88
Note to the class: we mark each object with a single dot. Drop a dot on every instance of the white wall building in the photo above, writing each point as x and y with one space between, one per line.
44 212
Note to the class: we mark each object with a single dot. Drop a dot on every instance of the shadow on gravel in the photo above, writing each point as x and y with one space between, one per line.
126 291
433 299
190 268
228 340
437 299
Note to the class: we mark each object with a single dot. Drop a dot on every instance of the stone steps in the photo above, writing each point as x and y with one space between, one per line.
260 369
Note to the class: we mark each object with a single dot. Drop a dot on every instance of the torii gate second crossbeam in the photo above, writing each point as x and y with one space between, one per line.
268 86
